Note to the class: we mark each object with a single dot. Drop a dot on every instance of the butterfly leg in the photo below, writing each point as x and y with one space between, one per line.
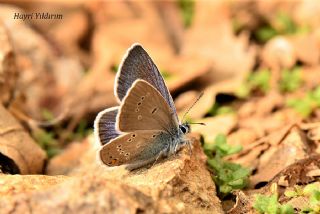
162 153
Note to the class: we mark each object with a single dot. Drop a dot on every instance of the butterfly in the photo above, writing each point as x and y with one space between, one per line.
145 126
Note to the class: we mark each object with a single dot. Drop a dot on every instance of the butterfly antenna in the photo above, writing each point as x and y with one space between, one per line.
203 124
185 114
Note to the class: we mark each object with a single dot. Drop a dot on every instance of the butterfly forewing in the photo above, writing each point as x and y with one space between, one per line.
138 65
104 125
132 148
144 108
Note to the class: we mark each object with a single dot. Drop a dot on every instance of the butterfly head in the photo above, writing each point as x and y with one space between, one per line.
185 128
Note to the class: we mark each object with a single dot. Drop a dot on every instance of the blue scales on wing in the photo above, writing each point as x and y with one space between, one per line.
138 65
104 125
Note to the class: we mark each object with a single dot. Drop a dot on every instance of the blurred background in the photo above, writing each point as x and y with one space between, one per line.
257 63
60 72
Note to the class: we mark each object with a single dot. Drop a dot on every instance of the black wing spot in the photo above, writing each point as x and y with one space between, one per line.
142 98
133 135
129 140
154 110
139 103
154 136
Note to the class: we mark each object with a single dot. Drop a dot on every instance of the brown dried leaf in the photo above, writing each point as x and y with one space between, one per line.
292 148
307 49
18 152
8 70
262 106
231 56
215 125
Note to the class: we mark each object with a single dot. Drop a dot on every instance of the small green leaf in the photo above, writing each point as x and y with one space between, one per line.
114 68
286 209
290 80
243 91
187 11
265 33
166 74
47 114
270 205
47 141
306 104
260 80
291 193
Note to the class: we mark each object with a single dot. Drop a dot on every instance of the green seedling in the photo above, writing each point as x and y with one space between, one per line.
227 176
270 205
290 80
166 74
47 141
283 24
218 109
258 80
306 104
312 192
114 68
187 11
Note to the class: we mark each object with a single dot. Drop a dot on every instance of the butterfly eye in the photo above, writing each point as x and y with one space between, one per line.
183 129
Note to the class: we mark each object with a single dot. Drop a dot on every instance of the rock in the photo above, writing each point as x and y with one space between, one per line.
178 184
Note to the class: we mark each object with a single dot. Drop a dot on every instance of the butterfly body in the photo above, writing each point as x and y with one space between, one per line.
145 127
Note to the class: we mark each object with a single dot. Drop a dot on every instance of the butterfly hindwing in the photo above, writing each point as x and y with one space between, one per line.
104 125
135 147
138 65
144 108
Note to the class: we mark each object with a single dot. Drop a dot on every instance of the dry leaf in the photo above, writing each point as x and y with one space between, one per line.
292 148
20 154
8 70
230 56
215 125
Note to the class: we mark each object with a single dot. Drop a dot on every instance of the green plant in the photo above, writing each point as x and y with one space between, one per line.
166 74
218 109
47 141
187 11
270 205
306 104
114 68
258 80
227 176
282 24
290 80
312 192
